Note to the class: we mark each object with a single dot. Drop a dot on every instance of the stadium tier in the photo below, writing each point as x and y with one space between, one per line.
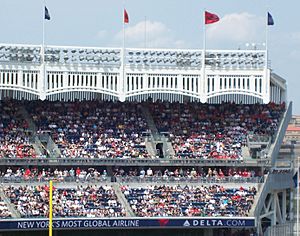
79 201
189 200
142 139
99 130
214 131
93 129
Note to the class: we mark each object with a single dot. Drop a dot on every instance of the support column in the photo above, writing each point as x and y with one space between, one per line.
252 83
274 208
20 79
217 84
203 76
180 82
65 80
122 77
43 71
283 206
203 87
42 82
145 82
266 86
291 209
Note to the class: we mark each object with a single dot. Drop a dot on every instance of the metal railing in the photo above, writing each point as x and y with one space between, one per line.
264 190
172 179
287 229
275 147
258 139
43 160
67 179
131 179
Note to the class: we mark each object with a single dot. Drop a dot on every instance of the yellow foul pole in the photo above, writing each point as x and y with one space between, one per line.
50 207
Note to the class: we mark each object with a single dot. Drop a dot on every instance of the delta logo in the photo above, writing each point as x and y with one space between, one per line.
163 222
186 223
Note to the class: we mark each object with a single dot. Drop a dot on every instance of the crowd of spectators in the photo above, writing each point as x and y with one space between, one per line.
99 174
94 129
214 130
204 174
80 201
4 211
206 201
102 129
188 172
71 174
14 133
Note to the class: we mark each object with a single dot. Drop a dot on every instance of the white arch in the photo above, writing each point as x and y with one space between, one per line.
163 91
20 89
252 94
87 90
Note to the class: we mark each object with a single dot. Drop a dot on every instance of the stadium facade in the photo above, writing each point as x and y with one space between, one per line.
142 76
137 74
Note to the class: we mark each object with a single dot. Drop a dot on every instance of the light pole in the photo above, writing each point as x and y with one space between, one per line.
298 190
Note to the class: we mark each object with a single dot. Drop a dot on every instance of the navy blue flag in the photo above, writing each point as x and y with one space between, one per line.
270 19
47 15
295 179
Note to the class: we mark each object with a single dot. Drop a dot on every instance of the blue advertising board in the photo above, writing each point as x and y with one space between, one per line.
110 223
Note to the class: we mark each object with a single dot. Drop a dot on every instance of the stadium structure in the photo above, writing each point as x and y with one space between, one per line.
141 140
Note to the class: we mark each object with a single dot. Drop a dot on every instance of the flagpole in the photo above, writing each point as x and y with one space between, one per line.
267 41
266 56
145 32
123 30
123 56
50 207
43 42
298 193
43 53
204 31
203 57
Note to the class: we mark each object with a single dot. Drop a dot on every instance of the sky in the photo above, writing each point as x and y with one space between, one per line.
163 24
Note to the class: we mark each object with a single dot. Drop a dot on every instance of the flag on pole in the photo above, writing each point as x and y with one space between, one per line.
211 18
126 18
270 19
47 15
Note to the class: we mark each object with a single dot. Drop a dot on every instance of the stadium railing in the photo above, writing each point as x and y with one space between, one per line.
130 161
274 150
67 179
132 179
171 179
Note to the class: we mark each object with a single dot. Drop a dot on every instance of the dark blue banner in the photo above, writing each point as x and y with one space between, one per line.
97 223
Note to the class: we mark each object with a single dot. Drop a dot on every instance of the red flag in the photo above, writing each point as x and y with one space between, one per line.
126 18
211 18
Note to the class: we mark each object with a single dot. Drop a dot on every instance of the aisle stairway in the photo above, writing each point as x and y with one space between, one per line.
34 140
122 199
10 206
50 148
155 137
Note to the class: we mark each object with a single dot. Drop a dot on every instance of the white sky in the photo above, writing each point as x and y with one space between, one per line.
169 23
